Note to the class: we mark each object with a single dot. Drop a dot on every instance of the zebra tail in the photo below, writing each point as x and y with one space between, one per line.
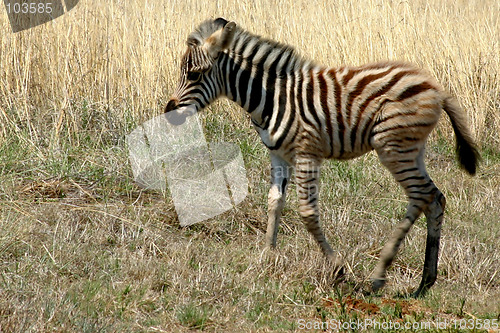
467 152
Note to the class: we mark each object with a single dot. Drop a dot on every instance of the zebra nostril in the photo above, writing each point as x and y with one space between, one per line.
171 105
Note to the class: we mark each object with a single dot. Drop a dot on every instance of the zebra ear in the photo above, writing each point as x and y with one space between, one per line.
220 21
220 40
227 35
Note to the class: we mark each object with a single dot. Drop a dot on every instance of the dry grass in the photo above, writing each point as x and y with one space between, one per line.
83 249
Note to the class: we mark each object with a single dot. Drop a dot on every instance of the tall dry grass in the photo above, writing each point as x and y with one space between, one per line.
121 57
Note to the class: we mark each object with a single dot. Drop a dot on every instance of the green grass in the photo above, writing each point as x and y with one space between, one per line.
84 249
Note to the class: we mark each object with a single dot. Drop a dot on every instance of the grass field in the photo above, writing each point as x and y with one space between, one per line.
84 249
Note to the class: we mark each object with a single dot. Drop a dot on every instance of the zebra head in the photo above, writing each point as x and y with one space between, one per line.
201 80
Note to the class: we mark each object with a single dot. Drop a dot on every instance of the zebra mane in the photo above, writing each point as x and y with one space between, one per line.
243 38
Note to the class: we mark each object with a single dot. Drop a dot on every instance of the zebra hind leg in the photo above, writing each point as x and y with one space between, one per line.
434 214
408 169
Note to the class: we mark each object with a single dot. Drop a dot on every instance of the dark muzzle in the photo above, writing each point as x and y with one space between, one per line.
177 115
171 105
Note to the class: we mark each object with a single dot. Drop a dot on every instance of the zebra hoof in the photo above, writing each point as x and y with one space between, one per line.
337 267
339 273
419 293
422 290
377 284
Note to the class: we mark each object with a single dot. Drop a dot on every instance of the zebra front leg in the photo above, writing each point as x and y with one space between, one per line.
434 214
280 175
307 173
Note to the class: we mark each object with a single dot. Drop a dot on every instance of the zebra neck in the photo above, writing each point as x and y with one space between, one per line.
257 71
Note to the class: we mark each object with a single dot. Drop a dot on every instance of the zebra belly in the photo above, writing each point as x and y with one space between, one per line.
334 148
352 154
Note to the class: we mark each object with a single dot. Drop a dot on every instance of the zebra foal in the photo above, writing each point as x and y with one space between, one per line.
305 113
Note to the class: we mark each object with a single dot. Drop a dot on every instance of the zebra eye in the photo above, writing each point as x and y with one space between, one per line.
193 76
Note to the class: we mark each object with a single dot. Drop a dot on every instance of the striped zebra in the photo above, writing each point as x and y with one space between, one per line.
305 113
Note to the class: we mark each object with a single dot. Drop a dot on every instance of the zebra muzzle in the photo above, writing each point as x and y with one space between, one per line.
177 116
